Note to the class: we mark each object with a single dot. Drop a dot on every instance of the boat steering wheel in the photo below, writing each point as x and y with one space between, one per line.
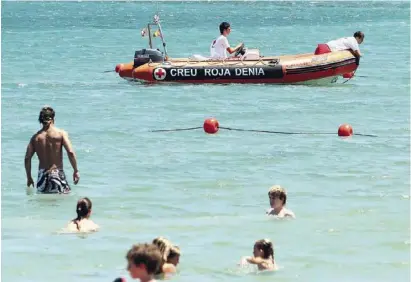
240 50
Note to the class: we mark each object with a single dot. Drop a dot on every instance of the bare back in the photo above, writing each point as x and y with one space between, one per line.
48 145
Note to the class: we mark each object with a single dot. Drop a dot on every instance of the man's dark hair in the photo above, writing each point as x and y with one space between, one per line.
147 254
224 26
359 34
46 114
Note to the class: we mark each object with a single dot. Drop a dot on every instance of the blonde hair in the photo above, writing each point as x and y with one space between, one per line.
279 191
164 246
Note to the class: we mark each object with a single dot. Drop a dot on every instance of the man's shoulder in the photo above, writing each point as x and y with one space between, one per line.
57 132
60 130
288 212
37 135
349 39
221 37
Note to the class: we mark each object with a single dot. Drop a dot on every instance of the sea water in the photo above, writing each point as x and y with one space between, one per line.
208 193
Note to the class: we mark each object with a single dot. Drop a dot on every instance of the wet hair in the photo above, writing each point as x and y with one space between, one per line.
83 208
278 191
267 247
224 26
359 34
164 247
46 115
174 251
147 254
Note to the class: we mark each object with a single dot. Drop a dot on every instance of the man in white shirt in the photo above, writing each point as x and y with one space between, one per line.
345 43
220 46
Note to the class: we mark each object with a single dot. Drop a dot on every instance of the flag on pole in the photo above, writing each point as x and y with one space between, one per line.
157 33
144 32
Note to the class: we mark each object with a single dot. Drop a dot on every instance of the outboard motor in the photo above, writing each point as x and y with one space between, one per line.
144 56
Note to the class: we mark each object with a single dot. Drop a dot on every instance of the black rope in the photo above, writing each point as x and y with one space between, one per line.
177 129
367 135
290 133
269 131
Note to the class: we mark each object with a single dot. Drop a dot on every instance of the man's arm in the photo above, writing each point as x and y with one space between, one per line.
357 53
232 50
255 260
69 149
353 45
229 48
27 159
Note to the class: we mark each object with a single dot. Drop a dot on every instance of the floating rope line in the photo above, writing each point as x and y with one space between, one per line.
212 127
290 133
177 129
276 132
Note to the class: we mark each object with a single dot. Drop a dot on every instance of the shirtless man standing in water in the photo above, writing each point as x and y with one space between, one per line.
48 144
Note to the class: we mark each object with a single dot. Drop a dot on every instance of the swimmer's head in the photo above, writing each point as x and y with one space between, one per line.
278 196
174 255
263 248
46 115
164 246
143 259
83 208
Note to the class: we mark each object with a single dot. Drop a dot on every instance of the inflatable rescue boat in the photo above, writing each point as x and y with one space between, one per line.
247 66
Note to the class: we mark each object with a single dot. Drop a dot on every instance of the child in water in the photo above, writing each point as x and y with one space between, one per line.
174 255
278 198
263 255
164 246
83 223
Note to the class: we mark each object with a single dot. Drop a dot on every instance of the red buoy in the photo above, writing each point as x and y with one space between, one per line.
345 130
118 67
348 75
211 125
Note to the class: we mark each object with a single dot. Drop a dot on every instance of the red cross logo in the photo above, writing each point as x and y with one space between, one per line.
160 74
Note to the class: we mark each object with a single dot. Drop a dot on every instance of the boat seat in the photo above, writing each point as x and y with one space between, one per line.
251 54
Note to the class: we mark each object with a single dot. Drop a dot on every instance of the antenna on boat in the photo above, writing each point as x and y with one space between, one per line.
157 22
148 30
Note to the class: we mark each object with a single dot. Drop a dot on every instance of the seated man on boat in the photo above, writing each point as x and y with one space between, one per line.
345 43
220 46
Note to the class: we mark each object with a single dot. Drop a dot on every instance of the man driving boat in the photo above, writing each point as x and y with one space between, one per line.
220 46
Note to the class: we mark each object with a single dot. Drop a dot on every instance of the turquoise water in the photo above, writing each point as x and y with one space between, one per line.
208 193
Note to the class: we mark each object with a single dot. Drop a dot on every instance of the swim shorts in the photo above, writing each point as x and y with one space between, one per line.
52 181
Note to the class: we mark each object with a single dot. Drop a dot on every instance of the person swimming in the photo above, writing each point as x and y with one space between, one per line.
83 223
164 246
174 255
143 260
278 197
263 255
